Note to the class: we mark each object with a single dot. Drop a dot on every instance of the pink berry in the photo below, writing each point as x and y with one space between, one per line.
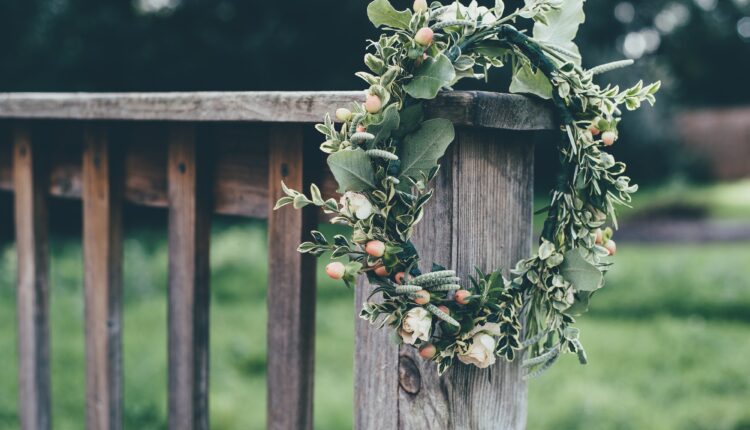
611 247
420 6
608 138
445 309
399 278
599 236
361 129
335 270
372 103
462 297
427 351
421 297
381 271
424 36
375 248
594 131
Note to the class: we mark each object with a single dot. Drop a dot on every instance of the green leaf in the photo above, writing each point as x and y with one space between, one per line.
580 303
422 149
528 81
430 77
561 26
580 273
410 119
381 13
382 129
352 170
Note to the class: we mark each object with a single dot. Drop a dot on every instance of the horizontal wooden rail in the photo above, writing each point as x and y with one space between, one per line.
198 153
464 108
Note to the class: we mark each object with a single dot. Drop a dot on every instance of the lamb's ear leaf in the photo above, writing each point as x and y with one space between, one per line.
381 13
352 170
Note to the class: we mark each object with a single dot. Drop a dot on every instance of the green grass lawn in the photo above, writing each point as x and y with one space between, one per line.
667 340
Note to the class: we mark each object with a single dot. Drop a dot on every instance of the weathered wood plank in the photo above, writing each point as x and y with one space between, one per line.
189 231
102 256
29 177
470 108
291 286
239 167
464 227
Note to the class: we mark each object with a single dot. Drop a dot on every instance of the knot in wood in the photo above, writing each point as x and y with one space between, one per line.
409 377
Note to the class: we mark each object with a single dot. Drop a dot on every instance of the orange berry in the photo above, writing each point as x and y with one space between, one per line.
381 271
335 270
462 297
427 351
608 138
599 236
421 297
375 248
424 36
361 129
399 278
373 103
445 309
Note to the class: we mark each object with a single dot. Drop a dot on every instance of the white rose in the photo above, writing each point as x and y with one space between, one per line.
416 325
481 352
357 204
473 11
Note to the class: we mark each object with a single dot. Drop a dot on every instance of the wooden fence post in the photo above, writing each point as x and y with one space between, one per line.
480 215
30 179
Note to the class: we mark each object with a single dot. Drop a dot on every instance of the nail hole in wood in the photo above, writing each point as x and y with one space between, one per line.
408 375
284 170
181 167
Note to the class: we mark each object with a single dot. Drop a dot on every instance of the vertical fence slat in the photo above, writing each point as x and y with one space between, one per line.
102 255
189 232
291 286
30 181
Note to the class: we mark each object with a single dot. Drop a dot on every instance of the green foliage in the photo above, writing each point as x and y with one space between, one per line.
583 275
430 77
421 150
352 170
381 13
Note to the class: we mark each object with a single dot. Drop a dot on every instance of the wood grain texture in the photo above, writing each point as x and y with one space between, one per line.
480 216
375 370
189 232
30 178
291 285
470 108
102 257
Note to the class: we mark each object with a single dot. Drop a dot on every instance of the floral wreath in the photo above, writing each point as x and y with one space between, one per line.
385 154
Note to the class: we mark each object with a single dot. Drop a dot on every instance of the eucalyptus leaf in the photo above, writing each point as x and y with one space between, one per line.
381 13
580 273
382 129
529 81
430 77
561 26
422 149
352 170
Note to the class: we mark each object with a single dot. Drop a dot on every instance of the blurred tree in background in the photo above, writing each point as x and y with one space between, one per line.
700 49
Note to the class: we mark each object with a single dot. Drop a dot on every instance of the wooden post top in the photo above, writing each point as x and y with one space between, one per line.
464 108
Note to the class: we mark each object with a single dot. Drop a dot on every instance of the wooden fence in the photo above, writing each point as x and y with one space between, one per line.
202 153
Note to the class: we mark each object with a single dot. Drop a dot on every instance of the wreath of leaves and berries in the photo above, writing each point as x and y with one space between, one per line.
383 155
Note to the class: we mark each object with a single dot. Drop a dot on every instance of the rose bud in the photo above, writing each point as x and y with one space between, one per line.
424 36
421 297
335 270
381 271
427 351
399 278
599 236
343 114
608 138
375 248
611 247
420 6
372 103
462 297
